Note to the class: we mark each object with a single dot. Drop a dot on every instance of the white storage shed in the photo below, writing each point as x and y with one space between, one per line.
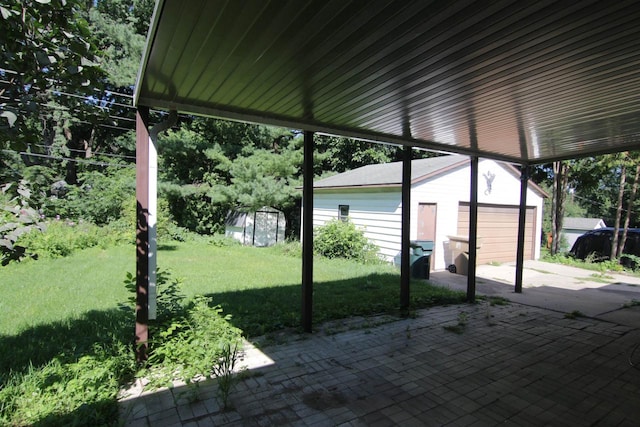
262 227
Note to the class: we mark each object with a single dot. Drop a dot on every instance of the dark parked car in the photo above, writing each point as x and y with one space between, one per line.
596 244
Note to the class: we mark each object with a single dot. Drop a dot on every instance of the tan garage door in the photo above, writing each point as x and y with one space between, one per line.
498 228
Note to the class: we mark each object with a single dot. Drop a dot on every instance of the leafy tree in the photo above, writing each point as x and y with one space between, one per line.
209 166
560 186
619 163
100 195
47 50
596 187
182 157
17 218
338 154
266 179
632 198
60 51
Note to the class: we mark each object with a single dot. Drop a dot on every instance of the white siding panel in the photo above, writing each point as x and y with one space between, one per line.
379 212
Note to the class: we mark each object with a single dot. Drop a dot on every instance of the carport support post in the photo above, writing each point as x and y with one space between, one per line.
307 233
142 234
473 231
405 260
522 216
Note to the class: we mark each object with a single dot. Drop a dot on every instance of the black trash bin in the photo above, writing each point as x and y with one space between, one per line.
421 258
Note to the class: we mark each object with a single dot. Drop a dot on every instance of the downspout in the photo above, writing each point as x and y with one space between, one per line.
153 206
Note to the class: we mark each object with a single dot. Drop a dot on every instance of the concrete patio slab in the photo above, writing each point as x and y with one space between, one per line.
607 296
534 361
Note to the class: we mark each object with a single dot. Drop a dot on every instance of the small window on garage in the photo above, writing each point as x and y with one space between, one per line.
343 212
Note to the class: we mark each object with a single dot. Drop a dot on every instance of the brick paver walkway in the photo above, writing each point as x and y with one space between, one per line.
466 365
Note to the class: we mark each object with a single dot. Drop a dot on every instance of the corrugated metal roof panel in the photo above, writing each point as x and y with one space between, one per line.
521 81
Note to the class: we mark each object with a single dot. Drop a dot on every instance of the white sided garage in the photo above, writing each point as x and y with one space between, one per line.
370 197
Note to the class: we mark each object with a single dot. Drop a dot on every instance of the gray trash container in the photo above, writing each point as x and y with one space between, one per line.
459 246
421 251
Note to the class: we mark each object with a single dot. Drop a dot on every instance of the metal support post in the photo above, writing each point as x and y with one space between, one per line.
473 230
522 217
405 266
307 233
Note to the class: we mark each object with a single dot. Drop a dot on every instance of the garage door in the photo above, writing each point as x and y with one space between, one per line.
498 228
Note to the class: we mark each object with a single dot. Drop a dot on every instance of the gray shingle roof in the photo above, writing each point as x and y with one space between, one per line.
390 174
581 223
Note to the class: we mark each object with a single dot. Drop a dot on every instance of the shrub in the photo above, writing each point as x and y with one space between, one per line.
193 344
221 241
17 219
68 390
291 248
341 239
192 341
98 198
194 208
166 227
169 296
630 261
62 238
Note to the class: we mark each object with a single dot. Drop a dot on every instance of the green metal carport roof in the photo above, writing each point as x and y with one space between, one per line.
522 81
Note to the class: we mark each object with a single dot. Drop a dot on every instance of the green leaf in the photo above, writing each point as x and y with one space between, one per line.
74 69
6 13
6 243
86 62
24 192
11 117
43 58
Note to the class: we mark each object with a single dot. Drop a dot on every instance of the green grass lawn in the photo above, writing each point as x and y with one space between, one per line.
39 292
259 287
65 340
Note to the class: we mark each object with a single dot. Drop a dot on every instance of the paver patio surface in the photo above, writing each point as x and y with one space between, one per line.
463 365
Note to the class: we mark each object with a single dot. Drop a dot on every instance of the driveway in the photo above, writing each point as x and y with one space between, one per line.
605 296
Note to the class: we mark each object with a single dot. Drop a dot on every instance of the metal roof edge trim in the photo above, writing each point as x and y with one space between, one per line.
582 155
151 35
319 127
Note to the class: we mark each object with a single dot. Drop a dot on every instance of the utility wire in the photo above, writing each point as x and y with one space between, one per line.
597 204
125 95
63 108
70 159
83 151
105 92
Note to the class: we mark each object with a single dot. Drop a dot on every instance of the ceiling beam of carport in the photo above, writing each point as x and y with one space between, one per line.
532 81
